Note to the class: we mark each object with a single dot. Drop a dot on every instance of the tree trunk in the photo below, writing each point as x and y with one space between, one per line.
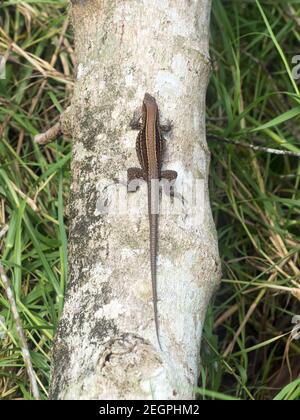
106 346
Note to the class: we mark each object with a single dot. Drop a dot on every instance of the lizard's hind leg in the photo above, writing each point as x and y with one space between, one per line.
168 175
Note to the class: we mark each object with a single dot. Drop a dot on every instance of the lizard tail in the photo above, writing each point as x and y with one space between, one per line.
153 220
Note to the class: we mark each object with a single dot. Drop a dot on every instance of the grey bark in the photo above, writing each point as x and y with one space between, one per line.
106 346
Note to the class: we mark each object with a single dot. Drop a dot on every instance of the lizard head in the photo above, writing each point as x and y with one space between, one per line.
149 101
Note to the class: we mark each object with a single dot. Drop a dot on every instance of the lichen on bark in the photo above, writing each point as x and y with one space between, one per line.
106 346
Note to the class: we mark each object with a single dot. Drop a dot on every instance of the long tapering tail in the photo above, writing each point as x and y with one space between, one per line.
153 203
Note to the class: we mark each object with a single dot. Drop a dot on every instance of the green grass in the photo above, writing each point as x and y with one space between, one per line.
34 248
248 351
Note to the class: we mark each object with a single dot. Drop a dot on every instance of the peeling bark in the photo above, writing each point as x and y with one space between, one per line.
106 345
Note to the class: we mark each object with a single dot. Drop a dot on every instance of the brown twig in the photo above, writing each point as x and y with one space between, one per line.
253 147
49 135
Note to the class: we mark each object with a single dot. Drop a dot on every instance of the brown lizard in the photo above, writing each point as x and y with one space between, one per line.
150 150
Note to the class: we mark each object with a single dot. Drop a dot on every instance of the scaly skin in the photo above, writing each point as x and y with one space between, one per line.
149 147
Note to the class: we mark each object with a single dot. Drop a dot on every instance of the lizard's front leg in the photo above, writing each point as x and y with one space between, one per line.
167 127
135 123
